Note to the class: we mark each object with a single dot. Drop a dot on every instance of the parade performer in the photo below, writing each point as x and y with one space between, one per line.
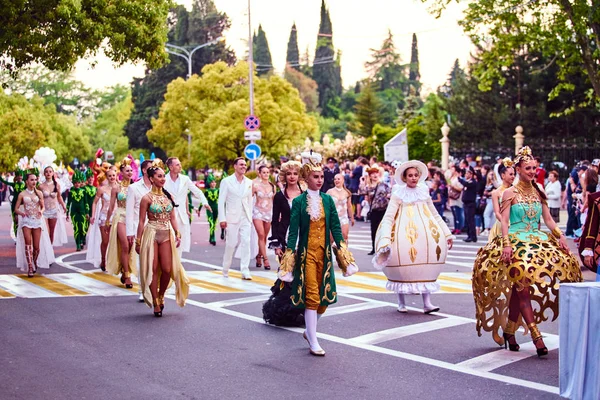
179 185
55 215
78 208
343 204
34 249
99 231
506 171
120 257
523 266
157 242
212 196
278 309
262 212
134 197
95 167
17 187
412 241
307 261
235 215
90 189
589 245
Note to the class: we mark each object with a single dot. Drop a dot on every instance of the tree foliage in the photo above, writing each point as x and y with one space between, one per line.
563 32
307 87
212 109
367 111
293 54
58 33
414 74
108 129
26 125
261 53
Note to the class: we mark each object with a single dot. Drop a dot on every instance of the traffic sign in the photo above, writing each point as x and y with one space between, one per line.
252 151
252 135
251 123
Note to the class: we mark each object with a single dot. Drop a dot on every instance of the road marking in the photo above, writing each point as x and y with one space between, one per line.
213 287
5 294
497 359
243 300
54 286
351 308
22 288
408 330
90 285
110 279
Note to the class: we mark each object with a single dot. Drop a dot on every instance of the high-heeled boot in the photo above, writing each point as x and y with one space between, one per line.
311 318
29 259
402 303
428 308
536 336
36 253
509 333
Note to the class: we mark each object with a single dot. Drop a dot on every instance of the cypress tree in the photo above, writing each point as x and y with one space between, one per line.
326 71
367 110
293 54
261 52
414 75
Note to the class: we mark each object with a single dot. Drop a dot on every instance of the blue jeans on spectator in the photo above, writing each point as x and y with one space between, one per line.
572 221
489 218
458 217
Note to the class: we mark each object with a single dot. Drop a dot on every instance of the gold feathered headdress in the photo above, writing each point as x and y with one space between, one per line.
125 161
507 162
158 163
311 162
524 155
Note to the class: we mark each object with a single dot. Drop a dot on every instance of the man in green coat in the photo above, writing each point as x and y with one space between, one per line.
308 262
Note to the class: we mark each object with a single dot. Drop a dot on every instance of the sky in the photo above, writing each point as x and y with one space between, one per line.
358 26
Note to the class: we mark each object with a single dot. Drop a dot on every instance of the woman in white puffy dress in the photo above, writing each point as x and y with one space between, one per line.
34 249
99 231
343 204
412 240
55 211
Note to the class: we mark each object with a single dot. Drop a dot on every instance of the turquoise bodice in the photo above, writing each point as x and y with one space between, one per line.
158 208
525 220
121 196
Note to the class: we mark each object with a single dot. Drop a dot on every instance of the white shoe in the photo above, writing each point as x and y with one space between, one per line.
141 297
402 309
246 277
225 274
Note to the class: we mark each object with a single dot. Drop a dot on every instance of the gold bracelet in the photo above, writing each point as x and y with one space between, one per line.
138 241
557 232
506 241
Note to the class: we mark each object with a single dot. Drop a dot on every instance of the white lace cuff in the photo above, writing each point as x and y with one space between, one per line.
382 257
351 269
587 253
287 277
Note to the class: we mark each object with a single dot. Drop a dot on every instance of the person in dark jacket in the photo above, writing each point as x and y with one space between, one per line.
469 196
329 172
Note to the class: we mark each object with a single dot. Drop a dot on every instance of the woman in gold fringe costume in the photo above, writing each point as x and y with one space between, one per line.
119 257
507 174
157 242
522 266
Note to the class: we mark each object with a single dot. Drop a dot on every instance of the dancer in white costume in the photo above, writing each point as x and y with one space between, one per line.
55 210
34 249
412 241
99 232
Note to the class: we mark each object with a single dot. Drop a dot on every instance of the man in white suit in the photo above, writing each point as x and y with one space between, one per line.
235 215
178 186
135 193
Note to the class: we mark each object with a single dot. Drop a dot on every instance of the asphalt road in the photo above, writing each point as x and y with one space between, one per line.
76 333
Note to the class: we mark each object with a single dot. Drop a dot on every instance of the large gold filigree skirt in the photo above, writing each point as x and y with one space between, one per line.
538 265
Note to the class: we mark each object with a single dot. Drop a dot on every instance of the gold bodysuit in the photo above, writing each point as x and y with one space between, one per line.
159 216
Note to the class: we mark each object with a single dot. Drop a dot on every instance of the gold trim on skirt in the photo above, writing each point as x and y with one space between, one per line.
178 275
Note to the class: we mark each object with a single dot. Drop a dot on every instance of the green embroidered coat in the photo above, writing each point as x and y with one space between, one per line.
298 240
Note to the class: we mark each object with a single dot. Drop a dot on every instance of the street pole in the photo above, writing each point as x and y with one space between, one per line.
251 72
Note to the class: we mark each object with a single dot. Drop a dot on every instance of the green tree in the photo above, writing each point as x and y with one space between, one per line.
108 129
367 111
307 88
188 29
563 32
261 52
293 54
58 33
26 125
212 107
414 76
326 69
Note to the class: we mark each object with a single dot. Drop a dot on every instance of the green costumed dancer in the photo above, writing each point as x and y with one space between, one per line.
212 195
17 186
78 208
90 189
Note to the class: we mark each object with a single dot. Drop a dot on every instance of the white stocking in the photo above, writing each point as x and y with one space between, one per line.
401 301
310 318
427 301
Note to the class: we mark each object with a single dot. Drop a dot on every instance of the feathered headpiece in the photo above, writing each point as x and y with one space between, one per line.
157 163
125 161
524 155
507 162
45 157
26 166
311 162
78 176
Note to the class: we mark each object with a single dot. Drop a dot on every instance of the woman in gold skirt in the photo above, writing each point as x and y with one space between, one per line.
523 266
119 257
156 243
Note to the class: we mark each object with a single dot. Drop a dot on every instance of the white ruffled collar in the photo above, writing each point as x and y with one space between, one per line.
314 204
410 195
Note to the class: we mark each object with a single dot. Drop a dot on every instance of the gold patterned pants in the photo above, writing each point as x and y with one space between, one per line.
313 275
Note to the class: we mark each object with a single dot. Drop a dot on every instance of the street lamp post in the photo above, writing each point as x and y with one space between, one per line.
187 55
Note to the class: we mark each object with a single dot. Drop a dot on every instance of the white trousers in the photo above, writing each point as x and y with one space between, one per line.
238 234
186 236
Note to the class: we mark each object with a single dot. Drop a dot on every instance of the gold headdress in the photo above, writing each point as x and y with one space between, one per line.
507 162
524 155
287 166
125 161
158 163
311 162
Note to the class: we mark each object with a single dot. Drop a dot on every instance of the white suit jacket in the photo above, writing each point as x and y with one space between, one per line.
180 193
135 193
235 200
